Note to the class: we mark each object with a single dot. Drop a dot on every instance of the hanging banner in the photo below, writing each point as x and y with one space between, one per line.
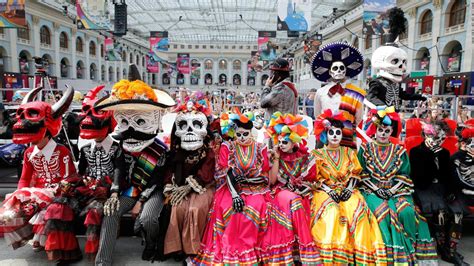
12 14
182 63
428 82
375 17
112 50
294 15
266 47
311 47
152 66
454 63
159 41
253 65
195 70
92 15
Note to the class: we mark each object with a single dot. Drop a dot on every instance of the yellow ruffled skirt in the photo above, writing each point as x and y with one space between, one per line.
346 232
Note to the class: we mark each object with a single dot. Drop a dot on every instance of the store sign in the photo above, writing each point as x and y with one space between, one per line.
454 64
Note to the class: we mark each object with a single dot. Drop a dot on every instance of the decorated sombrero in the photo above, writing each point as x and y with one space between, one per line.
134 94
333 52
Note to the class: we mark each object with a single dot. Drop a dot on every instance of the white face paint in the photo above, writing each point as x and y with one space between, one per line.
338 71
435 141
334 135
191 128
243 136
285 145
142 122
390 62
383 133
470 146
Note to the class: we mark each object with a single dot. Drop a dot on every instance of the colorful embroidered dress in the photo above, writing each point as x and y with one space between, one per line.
404 230
345 232
234 238
288 237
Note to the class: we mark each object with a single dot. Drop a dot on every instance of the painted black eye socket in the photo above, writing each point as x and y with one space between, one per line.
246 134
33 113
197 124
395 61
387 131
336 132
124 122
335 68
284 142
342 68
140 122
182 125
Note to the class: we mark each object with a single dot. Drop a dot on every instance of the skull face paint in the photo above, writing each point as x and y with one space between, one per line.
383 133
334 136
243 136
285 145
434 141
338 71
390 62
136 129
191 128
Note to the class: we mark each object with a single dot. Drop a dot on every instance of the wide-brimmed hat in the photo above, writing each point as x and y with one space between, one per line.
134 94
333 52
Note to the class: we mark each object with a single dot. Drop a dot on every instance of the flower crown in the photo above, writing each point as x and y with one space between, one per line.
323 123
383 115
291 127
136 90
228 119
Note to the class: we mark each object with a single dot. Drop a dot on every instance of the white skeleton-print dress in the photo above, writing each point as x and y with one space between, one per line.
463 175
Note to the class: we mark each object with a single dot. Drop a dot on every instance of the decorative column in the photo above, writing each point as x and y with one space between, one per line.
14 62
411 39
36 36
437 30
57 63
73 68
244 74
87 73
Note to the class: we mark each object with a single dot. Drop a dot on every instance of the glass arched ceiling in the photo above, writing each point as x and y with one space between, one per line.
216 21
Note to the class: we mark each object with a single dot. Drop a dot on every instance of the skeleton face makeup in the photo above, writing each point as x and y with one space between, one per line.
338 71
334 136
390 62
285 145
243 136
191 128
383 133
137 129
435 141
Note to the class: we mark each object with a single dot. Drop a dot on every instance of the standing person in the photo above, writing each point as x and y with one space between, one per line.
279 94
388 189
336 63
239 215
45 165
136 109
288 238
309 102
343 228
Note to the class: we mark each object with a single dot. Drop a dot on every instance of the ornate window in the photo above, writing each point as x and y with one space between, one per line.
79 45
457 14
63 40
45 36
426 22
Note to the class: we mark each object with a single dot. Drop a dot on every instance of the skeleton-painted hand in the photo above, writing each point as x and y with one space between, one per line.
112 205
345 194
382 193
238 204
179 194
333 194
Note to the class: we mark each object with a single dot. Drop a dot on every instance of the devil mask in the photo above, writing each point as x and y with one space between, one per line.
36 118
95 124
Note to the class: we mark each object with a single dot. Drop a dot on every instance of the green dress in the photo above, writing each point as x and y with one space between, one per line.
404 231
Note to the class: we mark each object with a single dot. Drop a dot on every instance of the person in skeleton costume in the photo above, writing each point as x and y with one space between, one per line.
190 179
430 173
279 94
238 217
335 63
289 199
343 228
390 64
462 200
136 109
101 166
45 165
388 189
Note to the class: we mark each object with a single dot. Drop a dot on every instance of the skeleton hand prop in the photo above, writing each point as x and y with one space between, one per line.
238 204
179 194
193 183
112 205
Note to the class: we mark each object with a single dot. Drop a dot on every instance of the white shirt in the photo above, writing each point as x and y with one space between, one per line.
47 150
106 144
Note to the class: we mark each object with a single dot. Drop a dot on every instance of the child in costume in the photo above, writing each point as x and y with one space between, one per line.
335 63
343 228
136 109
388 190
238 217
460 201
45 165
101 166
431 175
288 238
190 167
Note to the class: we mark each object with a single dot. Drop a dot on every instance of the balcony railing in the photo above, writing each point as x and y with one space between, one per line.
454 29
426 36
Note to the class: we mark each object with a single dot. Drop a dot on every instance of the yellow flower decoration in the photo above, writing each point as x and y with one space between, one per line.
125 90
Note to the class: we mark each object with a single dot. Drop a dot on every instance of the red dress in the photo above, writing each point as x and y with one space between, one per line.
42 172
230 237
